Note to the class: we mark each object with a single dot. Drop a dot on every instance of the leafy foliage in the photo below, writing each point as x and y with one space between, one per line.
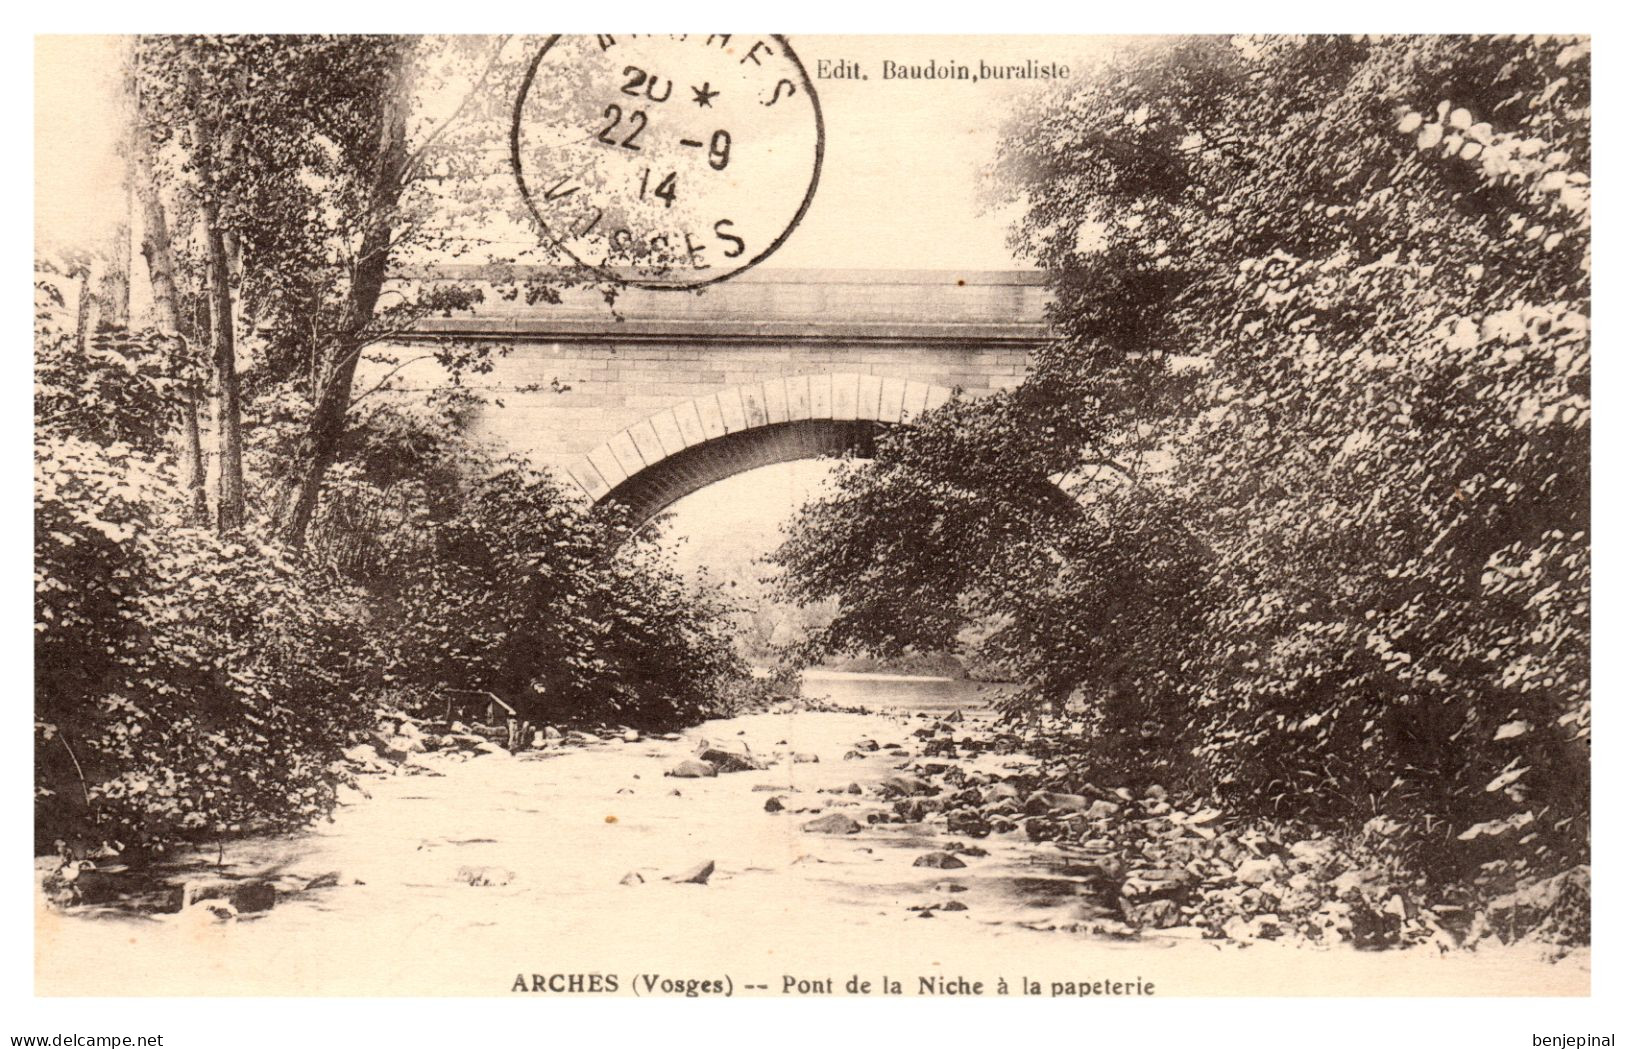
190 687
1319 398
489 577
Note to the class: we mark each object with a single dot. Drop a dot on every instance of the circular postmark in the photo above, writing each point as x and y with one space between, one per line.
667 161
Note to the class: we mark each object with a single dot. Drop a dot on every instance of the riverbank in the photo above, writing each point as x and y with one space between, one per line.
465 877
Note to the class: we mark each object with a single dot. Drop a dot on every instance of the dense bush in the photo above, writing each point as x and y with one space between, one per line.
1320 389
564 614
189 687
185 686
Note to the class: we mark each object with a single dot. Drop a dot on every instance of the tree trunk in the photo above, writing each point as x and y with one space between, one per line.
82 318
111 302
160 256
320 445
229 498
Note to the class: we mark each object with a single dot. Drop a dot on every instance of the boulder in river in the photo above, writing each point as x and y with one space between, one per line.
632 878
1557 909
484 876
774 804
696 875
1312 852
834 823
1043 802
1152 883
913 810
691 769
901 784
729 755
1257 871
245 897
939 860
866 744
970 824
366 756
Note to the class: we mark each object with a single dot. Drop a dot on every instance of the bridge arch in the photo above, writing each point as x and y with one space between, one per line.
681 449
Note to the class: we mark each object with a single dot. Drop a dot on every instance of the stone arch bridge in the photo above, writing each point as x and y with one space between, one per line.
673 391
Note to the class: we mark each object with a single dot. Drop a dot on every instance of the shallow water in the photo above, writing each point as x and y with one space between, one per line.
782 904
934 695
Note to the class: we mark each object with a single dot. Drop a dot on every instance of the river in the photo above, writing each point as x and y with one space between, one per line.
910 692
573 851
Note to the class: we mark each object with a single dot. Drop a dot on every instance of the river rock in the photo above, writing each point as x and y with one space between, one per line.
632 878
245 897
691 769
729 755
367 757
630 736
1242 928
970 824
699 874
1156 883
774 804
489 749
804 759
1002 792
1313 852
939 860
901 784
834 823
400 748
1044 802
480 877
913 810
854 755
1557 908
1260 870
1153 914
866 744
208 912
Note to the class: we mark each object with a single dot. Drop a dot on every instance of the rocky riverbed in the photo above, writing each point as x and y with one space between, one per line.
780 852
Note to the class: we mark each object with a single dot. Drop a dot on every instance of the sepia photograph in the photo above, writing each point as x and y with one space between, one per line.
812 516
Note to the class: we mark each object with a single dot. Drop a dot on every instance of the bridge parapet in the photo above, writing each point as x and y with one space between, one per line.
1002 306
